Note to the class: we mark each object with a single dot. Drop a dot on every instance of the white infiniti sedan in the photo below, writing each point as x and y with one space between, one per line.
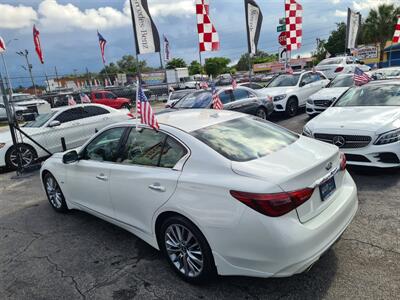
217 192
364 123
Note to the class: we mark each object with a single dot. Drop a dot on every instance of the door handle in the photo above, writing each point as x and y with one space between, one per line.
157 187
102 177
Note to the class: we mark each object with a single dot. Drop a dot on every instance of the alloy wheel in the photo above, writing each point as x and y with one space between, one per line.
184 250
262 114
27 156
53 192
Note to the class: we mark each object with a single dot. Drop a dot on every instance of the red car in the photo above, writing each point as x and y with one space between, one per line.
109 99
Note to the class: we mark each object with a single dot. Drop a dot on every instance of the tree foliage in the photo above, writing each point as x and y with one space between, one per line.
260 57
216 65
176 63
337 39
195 68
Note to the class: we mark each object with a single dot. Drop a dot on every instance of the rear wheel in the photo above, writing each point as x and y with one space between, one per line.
262 113
54 193
292 106
186 250
27 153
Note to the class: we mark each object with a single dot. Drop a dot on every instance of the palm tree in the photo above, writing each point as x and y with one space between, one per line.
379 25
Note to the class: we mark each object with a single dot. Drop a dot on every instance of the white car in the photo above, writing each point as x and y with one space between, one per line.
364 123
175 96
31 102
216 191
18 111
76 124
291 91
385 73
322 99
334 66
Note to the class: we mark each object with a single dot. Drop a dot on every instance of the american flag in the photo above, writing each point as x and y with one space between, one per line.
234 84
289 70
2 45
166 49
36 41
144 110
102 43
84 98
71 100
396 36
360 78
217 104
203 84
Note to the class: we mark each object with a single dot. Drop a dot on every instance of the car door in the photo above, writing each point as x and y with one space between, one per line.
95 119
244 101
226 98
305 88
110 99
70 129
145 178
99 98
88 178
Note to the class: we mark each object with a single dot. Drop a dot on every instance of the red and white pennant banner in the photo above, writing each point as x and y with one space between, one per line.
396 36
208 36
294 22
2 45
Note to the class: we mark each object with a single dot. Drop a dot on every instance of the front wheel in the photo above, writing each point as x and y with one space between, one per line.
186 250
262 113
54 193
27 156
292 107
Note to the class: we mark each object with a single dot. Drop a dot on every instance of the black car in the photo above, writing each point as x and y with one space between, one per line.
241 99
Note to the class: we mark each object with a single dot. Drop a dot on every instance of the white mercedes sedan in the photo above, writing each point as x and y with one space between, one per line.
364 123
218 192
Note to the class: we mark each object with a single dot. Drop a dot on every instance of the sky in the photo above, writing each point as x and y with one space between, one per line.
69 40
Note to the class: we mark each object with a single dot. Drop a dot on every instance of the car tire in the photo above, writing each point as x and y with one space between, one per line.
262 113
126 106
292 107
191 258
54 193
29 155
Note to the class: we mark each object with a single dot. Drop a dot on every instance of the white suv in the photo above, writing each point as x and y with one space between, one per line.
291 91
340 65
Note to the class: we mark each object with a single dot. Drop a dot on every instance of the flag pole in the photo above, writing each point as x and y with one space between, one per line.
201 66
164 68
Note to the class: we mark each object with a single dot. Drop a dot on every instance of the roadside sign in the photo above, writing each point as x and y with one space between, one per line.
280 28
282 55
282 38
282 21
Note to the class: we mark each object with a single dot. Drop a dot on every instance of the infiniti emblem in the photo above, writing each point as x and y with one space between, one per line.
328 166
339 141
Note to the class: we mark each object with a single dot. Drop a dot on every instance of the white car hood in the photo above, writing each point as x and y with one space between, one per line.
376 119
275 91
329 93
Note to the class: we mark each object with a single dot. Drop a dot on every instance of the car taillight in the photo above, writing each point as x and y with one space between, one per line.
339 69
274 205
343 161
130 115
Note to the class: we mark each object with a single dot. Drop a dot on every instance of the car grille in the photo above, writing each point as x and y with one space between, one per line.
323 103
344 141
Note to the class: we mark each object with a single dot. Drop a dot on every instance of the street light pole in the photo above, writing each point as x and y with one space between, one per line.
25 54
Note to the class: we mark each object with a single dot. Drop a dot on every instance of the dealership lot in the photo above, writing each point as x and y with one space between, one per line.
72 256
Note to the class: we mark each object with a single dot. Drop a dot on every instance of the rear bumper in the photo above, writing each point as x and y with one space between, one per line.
280 247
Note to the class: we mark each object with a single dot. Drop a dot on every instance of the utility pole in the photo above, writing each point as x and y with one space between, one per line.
58 80
25 54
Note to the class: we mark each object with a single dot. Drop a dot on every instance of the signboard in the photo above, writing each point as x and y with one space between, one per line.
282 38
367 52
153 78
283 55
282 21
269 67
281 28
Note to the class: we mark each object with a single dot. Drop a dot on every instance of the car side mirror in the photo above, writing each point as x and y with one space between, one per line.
302 83
54 123
70 157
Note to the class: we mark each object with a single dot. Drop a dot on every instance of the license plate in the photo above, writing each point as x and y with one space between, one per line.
327 188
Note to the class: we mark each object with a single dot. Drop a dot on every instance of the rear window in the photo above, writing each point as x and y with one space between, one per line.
245 138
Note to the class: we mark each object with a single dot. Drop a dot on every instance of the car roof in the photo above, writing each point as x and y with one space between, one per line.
384 82
189 120
62 108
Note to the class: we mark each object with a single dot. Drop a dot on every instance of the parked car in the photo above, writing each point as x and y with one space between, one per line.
290 91
364 123
322 99
241 99
386 73
74 123
109 99
252 85
18 111
176 95
340 65
34 104
222 193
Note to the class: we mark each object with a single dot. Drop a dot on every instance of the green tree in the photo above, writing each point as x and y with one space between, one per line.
320 52
111 68
194 68
176 63
216 65
379 25
259 57
128 64
337 39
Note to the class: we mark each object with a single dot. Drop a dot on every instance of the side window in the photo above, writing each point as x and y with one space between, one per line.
225 96
71 115
172 153
92 111
105 146
306 79
110 96
98 96
143 148
2 106
240 94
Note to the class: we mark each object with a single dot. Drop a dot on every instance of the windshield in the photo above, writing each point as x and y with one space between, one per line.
388 72
245 138
335 61
341 81
40 120
373 95
284 80
200 99
178 95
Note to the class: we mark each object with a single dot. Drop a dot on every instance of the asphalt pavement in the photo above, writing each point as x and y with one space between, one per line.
45 255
